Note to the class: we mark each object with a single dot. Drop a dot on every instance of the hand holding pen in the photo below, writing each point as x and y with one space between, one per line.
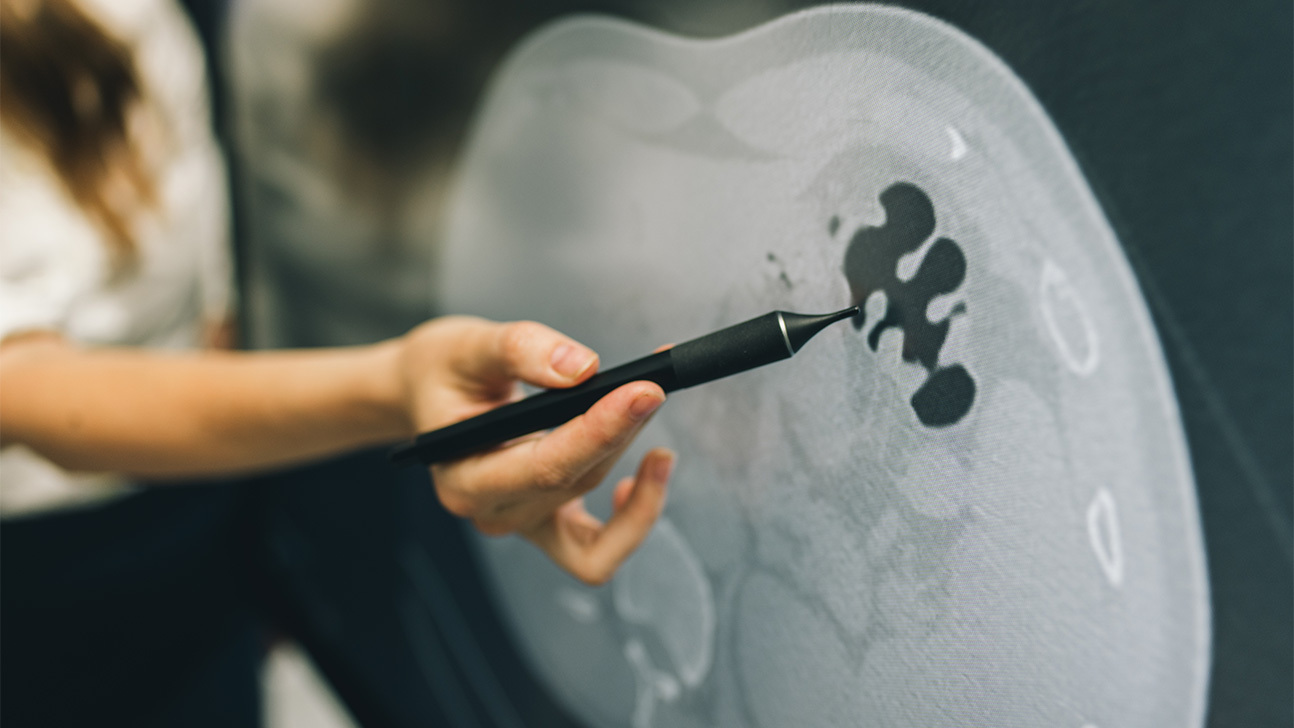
534 486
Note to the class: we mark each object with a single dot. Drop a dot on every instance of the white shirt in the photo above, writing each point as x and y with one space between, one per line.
55 265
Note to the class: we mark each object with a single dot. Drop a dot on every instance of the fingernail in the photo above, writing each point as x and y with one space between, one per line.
645 404
661 469
570 361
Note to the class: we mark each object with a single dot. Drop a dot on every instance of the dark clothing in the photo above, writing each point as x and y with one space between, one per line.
134 613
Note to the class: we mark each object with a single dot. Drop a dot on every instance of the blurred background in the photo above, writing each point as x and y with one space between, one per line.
341 121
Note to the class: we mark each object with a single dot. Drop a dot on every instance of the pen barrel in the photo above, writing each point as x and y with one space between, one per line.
539 412
729 351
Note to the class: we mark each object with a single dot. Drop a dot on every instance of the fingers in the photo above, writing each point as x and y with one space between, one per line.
547 469
591 551
621 494
546 503
527 351
603 431
520 513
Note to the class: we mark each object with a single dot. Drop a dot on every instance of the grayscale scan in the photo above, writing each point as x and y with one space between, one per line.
972 506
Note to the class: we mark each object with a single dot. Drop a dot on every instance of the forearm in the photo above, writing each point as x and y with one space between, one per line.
153 414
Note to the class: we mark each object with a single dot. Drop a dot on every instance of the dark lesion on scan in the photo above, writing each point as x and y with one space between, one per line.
871 264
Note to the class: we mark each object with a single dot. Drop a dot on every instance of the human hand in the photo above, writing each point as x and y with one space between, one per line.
459 367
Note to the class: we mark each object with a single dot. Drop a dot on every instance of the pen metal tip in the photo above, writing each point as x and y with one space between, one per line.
844 314
800 327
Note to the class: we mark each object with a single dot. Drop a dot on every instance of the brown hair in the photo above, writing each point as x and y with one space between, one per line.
66 89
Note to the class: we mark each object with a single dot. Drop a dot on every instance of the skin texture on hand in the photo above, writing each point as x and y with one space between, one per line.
155 415
458 367
166 415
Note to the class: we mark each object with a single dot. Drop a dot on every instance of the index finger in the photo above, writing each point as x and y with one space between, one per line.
562 456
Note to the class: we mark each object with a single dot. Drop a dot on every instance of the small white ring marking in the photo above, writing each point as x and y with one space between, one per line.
785 336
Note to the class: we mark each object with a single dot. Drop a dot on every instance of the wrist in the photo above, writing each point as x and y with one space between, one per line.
388 391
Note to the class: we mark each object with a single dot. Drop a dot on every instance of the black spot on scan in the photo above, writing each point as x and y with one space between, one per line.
782 276
834 226
945 397
871 264
941 271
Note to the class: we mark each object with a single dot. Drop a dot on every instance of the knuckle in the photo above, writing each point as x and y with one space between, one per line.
611 434
491 527
458 504
640 519
605 433
516 339
595 574
550 476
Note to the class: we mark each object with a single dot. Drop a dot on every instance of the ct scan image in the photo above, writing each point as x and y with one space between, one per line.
970 505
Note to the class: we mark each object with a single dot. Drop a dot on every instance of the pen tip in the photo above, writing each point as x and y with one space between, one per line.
846 313
800 327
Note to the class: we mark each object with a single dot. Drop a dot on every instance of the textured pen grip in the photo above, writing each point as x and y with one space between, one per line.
539 412
746 345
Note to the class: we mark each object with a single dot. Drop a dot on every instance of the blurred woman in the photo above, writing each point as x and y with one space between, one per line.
121 599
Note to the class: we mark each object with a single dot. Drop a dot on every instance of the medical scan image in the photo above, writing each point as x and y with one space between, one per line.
969 505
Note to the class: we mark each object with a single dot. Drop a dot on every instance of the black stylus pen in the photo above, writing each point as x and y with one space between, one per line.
759 341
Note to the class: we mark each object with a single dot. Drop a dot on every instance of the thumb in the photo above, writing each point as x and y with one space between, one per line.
528 351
